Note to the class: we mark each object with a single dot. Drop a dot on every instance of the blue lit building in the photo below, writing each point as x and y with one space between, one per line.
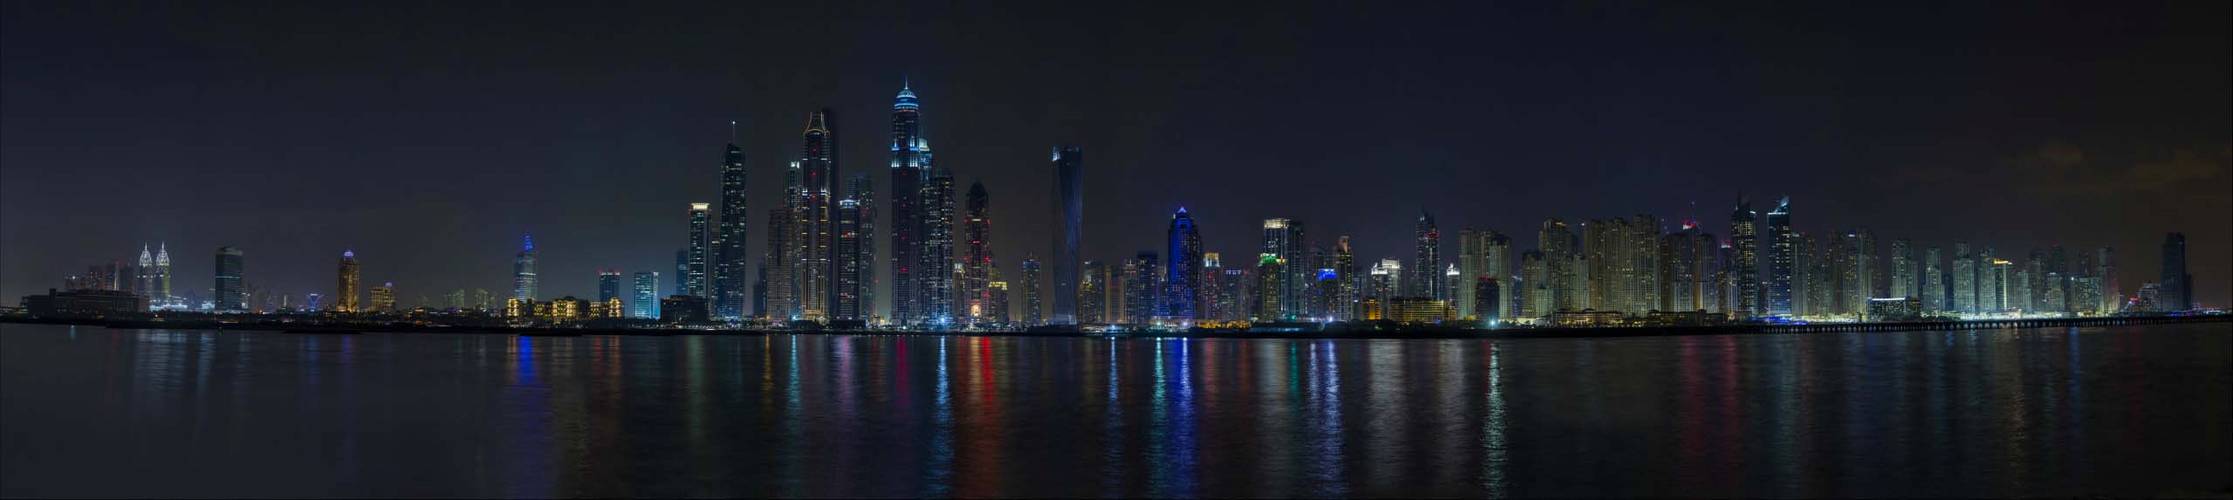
1182 281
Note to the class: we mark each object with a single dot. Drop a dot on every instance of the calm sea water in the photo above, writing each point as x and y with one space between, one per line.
2120 411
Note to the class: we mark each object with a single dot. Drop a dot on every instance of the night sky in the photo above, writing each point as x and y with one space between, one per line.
429 137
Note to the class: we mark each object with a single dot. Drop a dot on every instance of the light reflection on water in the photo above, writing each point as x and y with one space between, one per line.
2133 411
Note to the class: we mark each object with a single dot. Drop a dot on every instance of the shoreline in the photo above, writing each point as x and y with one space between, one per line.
1342 333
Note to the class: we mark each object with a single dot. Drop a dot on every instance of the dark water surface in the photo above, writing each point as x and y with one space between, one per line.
2145 410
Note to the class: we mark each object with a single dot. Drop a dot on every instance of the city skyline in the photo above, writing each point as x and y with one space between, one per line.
611 204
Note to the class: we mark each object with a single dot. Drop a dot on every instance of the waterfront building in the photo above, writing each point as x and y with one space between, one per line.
1486 300
1605 243
1182 284
2175 287
1269 290
1744 262
1283 241
1964 281
910 168
850 280
524 281
1426 261
730 256
645 303
383 297
608 284
1069 197
1904 274
1385 280
1535 273
781 292
817 169
1141 282
977 257
230 295
1093 294
683 309
1033 310
2105 266
1556 242
701 245
862 191
347 293
937 264
1933 284
1783 260
1343 306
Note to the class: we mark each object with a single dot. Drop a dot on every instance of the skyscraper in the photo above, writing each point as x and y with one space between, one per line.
2175 288
816 171
1537 301
1069 230
2105 266
1904 274
1783 258
910 165
937 262
1093 294
1141 284
1182 280
852 266
1485 299
645 304
347 294
1933 282
231 297
1426 261
523 270
782 292
383 297
977 256
608 285
1745 260
701 244
1964 300
862 190
1385 281
1033 310
731 257
1643 264
1344 305
1605 241
1860 249
682 268
1283 243
1557 244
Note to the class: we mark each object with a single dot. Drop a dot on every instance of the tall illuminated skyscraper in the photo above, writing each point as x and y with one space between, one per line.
1905 282
1642 266
1385 281
1556 242
782 292
645 303
1933 282
1068 231
1605 242
346 296
523 269
1033 311
1783 259
977 257
1182 280
383 297
861 188
1426 259
851 283
731 258
1744 271
1142 281
608 285
1283 243
231 297
1093 294
701 245
937 262
910 165
1344 306
1965 280
1483 253
817 171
